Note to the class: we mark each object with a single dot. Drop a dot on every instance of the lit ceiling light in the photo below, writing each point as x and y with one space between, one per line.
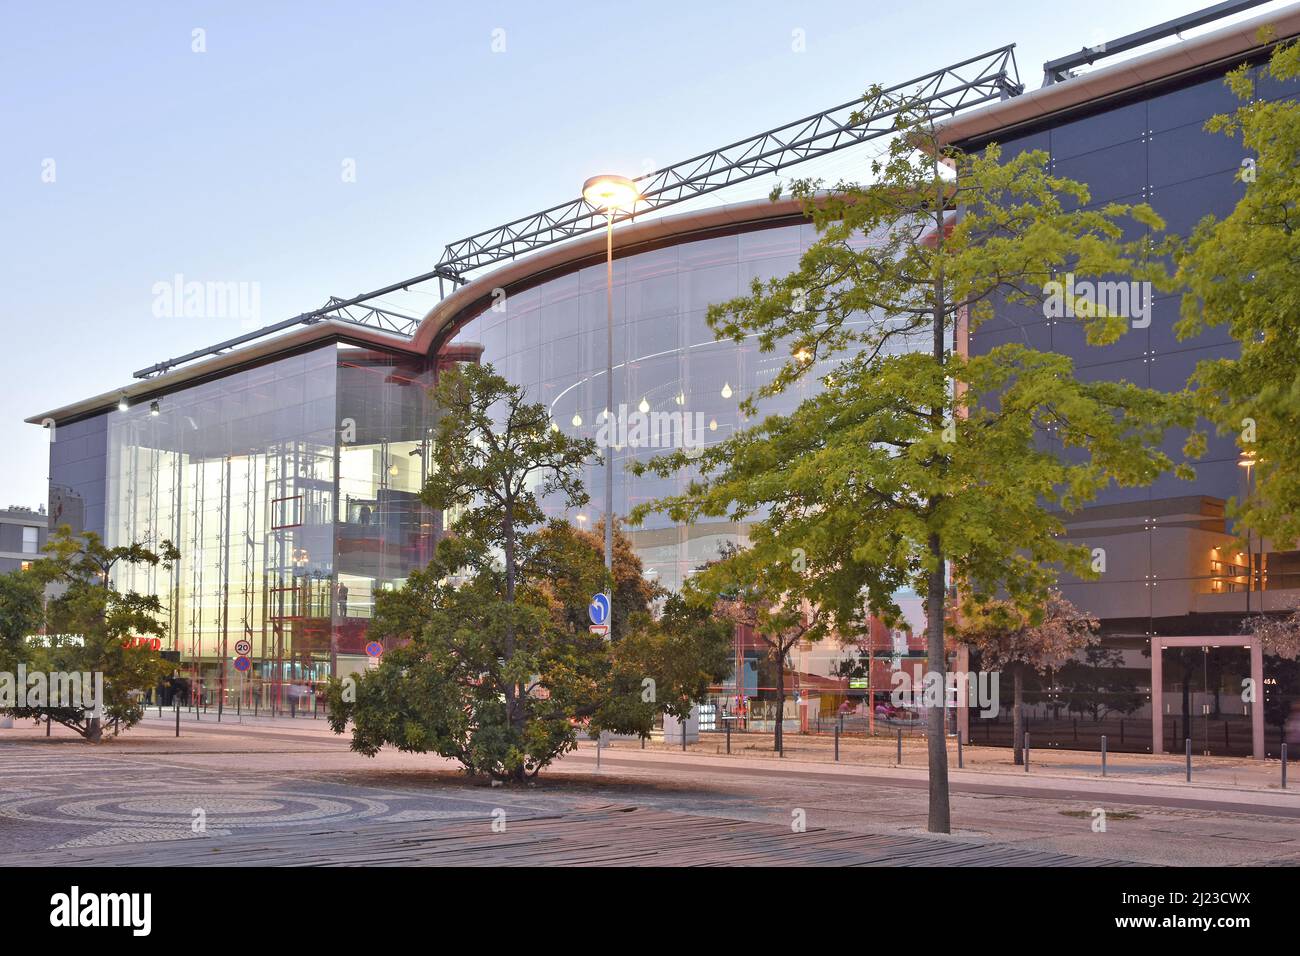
577 420
803 355
644 406
609 192
681 398
555 426
726 390
122 404
713 424
392 470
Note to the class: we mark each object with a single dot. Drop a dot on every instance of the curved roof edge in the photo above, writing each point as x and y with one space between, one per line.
1183 57
573 255
559 259
266 349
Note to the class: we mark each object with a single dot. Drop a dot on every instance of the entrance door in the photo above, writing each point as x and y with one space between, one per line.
1203 700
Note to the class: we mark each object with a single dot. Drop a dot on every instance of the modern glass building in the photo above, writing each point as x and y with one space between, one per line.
1175 591
288 470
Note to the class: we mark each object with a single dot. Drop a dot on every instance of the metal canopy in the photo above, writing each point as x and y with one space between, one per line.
972 82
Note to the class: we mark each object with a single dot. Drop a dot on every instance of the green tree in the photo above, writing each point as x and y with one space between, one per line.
915 464
494 665
1241 271
88 628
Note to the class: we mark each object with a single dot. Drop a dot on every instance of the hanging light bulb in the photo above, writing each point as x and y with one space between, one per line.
122 404
555 426
577 420
726 390
392 470
154 409
713 424
644 406
681 398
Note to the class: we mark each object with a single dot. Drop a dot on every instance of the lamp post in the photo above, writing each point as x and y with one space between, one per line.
610 194
1247 461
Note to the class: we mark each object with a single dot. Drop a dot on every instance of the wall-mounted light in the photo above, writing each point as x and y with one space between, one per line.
577 420
122 404
644 406
726 390
154 409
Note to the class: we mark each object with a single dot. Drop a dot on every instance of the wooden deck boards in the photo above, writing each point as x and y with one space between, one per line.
599 836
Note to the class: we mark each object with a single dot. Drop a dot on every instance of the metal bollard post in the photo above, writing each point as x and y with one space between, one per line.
899 761
683 735
1026 751
961 760
597 751
48 721
728 736
837 744
1188 742
178 720
1103 755
1284 766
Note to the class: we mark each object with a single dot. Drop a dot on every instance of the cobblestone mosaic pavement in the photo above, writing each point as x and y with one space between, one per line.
55 799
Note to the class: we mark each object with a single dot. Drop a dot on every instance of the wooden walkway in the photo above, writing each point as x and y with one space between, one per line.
598 836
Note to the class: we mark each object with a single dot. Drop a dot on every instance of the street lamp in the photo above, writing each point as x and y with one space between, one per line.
610 194
1247 461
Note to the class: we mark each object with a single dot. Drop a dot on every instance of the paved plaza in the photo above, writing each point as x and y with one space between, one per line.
291 793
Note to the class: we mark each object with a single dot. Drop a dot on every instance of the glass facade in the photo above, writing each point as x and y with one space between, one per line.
290 489
1169 567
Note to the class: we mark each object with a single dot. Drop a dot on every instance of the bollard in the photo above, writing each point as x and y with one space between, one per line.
837 744
900 747
48 722
597 751
683 735
178 720
961 761
221 705
728 736
1103 755
1188 742
314 701
643 741
1026 751
1284 766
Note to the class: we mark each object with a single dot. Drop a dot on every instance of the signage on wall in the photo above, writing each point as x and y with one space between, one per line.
153 643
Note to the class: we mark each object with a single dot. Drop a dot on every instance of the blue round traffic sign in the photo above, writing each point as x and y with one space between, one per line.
598 609
242 664
374 648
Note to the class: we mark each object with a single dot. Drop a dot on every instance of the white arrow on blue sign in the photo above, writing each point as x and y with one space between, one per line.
598 609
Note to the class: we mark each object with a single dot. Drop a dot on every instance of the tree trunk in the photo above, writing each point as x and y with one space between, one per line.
1018 713
94 729
939 820
778 739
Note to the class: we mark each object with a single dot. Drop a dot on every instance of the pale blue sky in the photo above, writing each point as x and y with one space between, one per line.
226 165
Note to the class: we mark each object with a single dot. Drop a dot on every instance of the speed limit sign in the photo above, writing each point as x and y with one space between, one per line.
243 648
